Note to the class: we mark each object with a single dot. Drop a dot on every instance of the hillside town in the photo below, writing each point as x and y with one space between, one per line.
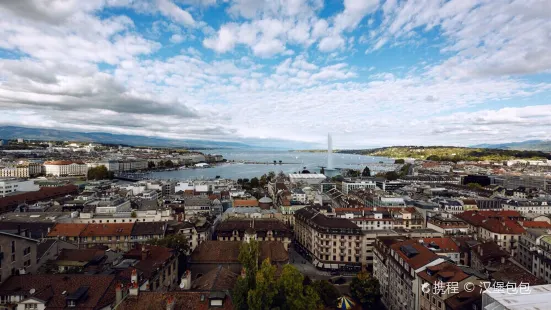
430 235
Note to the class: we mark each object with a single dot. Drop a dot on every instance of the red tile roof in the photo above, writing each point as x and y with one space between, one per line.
423 257
445 272
446 244
507 227
183 301
228 252
67 230
50 288
535 224
157 257
115 229
45 193
245 203
63 162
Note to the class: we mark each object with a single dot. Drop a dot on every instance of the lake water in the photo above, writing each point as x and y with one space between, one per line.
296 161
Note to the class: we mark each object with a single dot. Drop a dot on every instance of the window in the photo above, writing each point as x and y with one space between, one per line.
31 306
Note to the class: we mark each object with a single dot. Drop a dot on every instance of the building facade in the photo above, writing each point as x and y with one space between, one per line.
65 168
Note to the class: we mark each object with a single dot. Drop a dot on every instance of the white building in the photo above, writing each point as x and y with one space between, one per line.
25 170
10 186
308 178
65 168
350 186
523 297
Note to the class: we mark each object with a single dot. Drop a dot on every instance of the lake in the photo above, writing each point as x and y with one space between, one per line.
296 161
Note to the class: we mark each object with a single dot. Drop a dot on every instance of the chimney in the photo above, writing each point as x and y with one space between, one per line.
118 295
134 276
186 281
134 290
170 302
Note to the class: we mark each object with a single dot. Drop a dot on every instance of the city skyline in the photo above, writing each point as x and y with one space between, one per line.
383 72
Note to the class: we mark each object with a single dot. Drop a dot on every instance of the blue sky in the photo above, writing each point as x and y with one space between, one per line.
285 72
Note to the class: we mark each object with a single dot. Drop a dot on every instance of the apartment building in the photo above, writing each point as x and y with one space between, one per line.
534 252
349 186
448 225
25 170
65 168
528 207
377 218
332 242
18 254
398 263
501 227
12 186
260 229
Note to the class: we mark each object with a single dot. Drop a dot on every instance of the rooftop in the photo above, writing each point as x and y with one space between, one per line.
228 252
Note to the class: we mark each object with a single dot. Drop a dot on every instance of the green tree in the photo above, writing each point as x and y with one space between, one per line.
150 165
474 185
177 242
399 161
99 173
366 290
366 172
169 164
263 180
248 257
293 294
255 182
275 162
239 294
327 292
262 296
322 170
392 175
271 175
240 181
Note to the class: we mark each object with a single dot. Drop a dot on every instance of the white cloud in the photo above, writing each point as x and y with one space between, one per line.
174 12
177 38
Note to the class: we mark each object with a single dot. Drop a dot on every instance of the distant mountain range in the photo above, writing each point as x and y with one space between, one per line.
529 145
14 132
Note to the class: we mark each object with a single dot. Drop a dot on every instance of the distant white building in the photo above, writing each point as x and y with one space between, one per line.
10 186
350 186
65 168
308 178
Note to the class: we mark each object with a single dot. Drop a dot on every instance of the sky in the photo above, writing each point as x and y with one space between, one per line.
287 72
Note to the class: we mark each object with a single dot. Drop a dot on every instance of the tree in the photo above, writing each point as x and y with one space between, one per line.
399 161
248 257
366 290
275 162
366 172
280 161
474 185
327 292
239 294
392 175
262 296
99 173
255 182
281 176
150 165
169 164
271 175
263 180
293 294
177 242
322 170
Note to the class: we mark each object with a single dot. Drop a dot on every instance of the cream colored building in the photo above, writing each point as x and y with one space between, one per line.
26 170
65 167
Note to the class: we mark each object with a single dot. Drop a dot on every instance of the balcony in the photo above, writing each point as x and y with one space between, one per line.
357 254
358 248
342 247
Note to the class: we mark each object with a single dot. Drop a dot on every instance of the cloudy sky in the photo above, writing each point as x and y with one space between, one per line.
371 72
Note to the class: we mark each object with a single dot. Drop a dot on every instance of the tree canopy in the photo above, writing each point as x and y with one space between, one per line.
177 242
99 173
366 172
365 289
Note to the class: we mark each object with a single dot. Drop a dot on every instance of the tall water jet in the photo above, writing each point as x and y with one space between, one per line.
329 152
